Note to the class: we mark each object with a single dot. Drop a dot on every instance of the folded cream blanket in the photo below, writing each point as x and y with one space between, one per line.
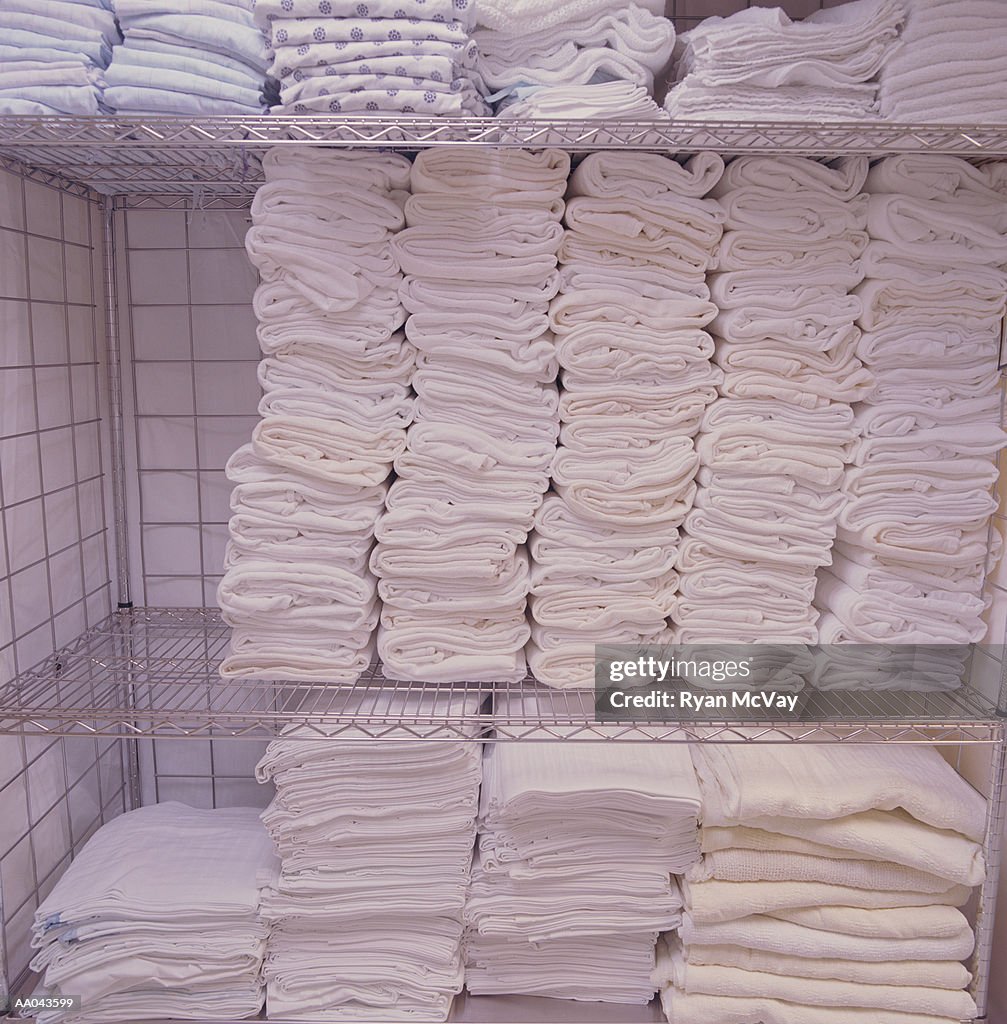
756 249
504 177
647 176
380 171
808 216
840 179
937 176
769 448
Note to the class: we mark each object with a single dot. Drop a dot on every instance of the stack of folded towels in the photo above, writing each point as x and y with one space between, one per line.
758 63
831 898
774 445
630 321
158 917
589 59
310 486
375 838
914 536
187 57
53 54
479 255
951 66
376 56
572 880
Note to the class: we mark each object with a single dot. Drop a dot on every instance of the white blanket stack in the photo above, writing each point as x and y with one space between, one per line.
335 409
950 67
53 54
913 541
590 58
375 838
158 917
829 888
572 881
774 445
630 323
758 64
378 56
187 57
479 254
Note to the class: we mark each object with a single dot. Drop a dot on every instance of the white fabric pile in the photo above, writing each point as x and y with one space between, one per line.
158 916
950 66
375 838
187 57
53 54
335 409
376 56
571 885
914 536
829 888
630 323
774 445
479 255
758 64
574 60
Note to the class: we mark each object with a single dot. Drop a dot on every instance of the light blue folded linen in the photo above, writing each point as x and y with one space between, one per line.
41 54
179 82
50 99
174 49
188 61
97 19
213 34
129 10
95 50
129 99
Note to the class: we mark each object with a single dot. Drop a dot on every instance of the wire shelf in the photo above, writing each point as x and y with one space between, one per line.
154 672
220 155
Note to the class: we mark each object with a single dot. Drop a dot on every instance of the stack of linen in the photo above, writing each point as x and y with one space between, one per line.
585 60
311 484
914 536
828 890
572 880
158 916
630 321
52 55
758 63
379 56
187 57
375 838
951 66
479 255
774 445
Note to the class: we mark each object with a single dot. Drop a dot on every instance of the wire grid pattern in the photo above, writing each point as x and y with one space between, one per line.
54 577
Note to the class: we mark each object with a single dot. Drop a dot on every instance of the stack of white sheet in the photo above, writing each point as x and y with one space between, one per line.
158 916
950 66
187 57
914 536
572 880
336 404
774 445
630 324
828 890
590 59
380 56
375 838
52 55
479 255
758 64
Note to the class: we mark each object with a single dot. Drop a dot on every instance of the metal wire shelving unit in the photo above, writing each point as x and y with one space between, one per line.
152 673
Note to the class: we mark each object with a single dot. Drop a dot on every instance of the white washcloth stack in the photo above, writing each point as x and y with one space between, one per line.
572 884
630 323
774 445
828 897
373 56
375 837
335 408
574 60
950 66
187 58
479 255
757 64
158 916
53 54
914 536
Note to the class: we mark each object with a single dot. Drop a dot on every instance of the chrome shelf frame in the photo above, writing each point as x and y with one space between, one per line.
219 156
